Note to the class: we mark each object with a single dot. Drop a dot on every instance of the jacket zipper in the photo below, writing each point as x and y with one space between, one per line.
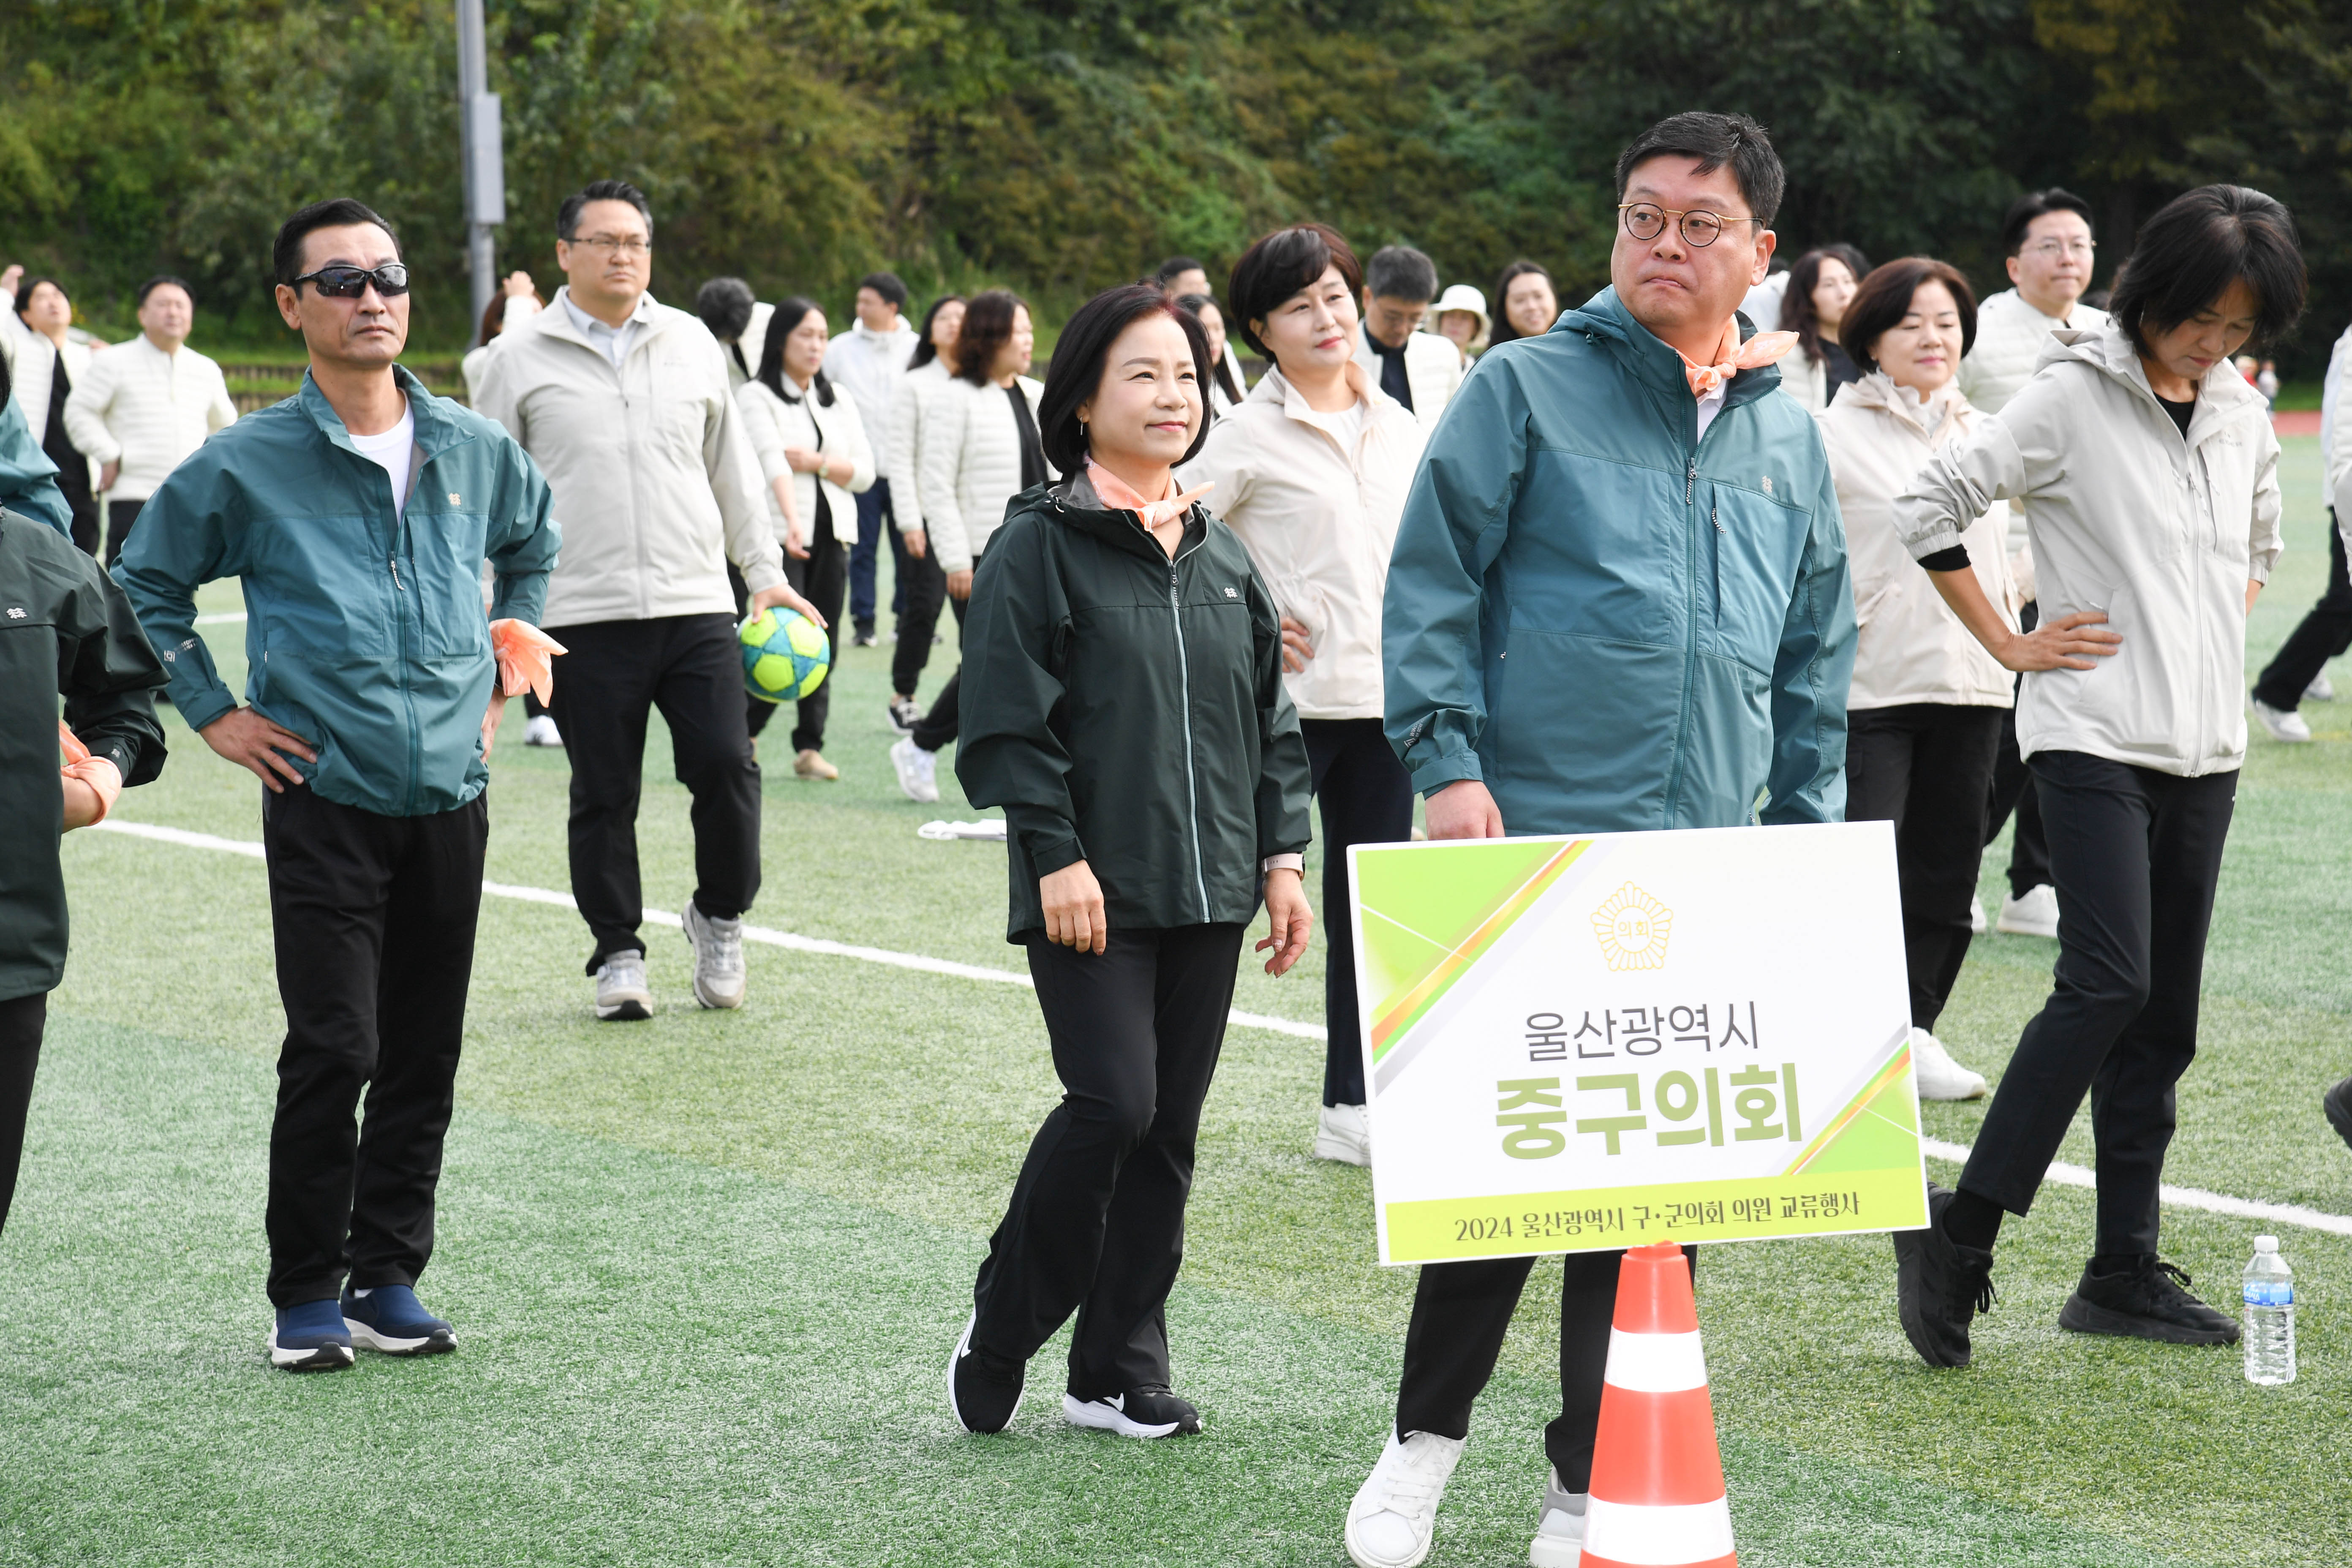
1690 639
1184 686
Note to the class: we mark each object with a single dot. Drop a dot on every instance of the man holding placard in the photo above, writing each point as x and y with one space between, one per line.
1626 504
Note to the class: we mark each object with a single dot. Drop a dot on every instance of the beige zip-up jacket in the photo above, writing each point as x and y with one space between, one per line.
903 454
1912 648
1319 517
2128 517
837 432
969 463
655 479
146 409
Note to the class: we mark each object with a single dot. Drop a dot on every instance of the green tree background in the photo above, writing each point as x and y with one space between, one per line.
1060 145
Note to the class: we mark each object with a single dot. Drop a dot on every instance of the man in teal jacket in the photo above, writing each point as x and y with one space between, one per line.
1618 601
359 514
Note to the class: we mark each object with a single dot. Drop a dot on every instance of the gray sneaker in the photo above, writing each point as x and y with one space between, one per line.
717 959
622 993
2282 723
1559 1534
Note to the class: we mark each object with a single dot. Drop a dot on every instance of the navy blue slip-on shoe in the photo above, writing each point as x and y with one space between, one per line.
310 1338
389 1317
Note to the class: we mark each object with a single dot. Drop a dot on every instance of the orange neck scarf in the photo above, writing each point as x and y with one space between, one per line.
1116 491
1731 356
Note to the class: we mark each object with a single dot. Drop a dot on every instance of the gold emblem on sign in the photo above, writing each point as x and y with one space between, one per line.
1632 928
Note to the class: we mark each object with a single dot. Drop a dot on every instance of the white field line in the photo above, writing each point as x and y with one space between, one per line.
226 617
1935 1148
767 935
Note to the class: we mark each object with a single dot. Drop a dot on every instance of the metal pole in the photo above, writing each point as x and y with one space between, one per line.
482 149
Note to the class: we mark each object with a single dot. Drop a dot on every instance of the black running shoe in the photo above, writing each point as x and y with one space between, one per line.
1940 1286
2146 1301
904 715
2338 1103
1152 1411
983 1390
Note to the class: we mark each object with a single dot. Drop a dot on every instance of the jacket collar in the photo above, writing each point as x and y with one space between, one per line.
2223 397
1649 359
1075 505
1275 388
1929 416
556 321
436 431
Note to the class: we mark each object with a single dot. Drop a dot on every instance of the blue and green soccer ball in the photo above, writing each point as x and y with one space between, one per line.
785 655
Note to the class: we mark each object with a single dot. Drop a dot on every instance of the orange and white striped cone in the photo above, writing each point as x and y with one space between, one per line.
1657 1475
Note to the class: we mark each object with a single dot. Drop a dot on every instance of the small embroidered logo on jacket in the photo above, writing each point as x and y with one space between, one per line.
453 499
1768 486
16 612
1230 594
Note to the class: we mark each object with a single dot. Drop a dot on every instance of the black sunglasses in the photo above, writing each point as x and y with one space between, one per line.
344 282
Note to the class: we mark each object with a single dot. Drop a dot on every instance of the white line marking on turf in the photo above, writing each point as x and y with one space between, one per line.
1935 1148
226 617
2181 1197
767 935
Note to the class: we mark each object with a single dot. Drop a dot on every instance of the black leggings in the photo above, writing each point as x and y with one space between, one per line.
2135 854
1366 797
21 1018
1096 1224
1926 767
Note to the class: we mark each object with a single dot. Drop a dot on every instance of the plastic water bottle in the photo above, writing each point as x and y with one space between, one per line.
2270 1316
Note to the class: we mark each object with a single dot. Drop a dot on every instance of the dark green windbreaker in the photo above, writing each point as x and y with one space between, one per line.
1128 710
66 628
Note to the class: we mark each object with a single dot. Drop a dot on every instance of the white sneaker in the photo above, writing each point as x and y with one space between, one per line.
918 776
622 993
541 732
1941 1077
2321 689
1560 1537
2284 723
1390 1522
2036 914
1977 921
1341 1133
717 958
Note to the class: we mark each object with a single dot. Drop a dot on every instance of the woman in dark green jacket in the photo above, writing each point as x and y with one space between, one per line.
1122 700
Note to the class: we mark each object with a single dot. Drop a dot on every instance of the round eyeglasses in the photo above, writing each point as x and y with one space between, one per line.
1699 229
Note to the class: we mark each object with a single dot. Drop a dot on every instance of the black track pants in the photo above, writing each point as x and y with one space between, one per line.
21 1021
1365 796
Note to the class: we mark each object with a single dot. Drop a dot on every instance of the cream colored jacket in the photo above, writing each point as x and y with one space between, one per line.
657 483
1912 648
901 454
2010 335
837 432
2127 517
143 408
2336 446
1432 368
969 463
1318 518
32 369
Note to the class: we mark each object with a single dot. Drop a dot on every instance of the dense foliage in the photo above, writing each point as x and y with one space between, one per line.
1061 144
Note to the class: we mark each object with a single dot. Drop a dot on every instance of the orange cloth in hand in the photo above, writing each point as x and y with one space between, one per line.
100 774
524 654
1732 356
1118 492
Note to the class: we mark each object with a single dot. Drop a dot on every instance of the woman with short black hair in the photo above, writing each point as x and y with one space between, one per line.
1311 474
1123 702
1813 305
2149 474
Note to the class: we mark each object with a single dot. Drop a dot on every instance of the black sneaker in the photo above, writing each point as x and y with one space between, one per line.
983 1390
905 714
864 636
2338 1103
2144 1301
1940 1286
1152 1411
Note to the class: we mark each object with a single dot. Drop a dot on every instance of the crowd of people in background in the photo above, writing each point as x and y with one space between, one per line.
2000 567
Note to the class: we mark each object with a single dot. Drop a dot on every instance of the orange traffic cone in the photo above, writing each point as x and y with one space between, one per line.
1657 1475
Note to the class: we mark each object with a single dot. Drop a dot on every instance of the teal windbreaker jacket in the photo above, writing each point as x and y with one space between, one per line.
1615 625
364 630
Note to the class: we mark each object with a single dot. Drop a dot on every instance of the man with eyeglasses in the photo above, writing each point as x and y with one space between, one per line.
359 515
1630 508
2047 235
627 406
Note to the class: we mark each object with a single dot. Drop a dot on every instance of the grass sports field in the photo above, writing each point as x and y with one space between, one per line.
705 1271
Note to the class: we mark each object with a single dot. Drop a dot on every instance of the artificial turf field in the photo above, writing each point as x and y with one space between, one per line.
705 1271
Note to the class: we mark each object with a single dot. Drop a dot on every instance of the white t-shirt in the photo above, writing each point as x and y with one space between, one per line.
1710 405
393 452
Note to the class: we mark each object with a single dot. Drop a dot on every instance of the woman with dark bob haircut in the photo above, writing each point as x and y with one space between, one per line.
1123 702
2149 476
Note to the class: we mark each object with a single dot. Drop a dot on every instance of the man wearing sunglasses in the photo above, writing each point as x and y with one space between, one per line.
359 514
627 405
1628 509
